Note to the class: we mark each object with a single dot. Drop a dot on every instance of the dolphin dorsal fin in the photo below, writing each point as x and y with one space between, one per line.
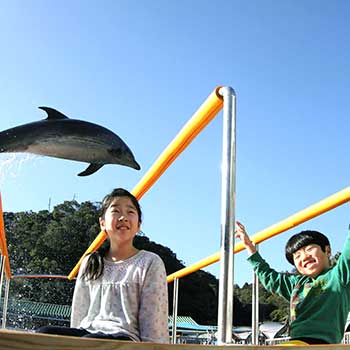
53 113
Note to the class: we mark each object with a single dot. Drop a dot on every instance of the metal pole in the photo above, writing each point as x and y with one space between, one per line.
2 269
175 301
255 309
6 298
228 197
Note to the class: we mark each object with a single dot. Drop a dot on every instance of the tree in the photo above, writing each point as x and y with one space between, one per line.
271 306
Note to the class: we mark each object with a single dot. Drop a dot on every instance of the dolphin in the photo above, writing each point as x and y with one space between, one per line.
61 137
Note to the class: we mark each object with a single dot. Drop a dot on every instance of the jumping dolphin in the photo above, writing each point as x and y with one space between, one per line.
61 137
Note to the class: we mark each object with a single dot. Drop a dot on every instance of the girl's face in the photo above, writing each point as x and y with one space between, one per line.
121 220
311 260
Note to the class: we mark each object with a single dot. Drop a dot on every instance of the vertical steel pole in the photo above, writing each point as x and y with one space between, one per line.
175 303
6 298
2 270
228 198
255 309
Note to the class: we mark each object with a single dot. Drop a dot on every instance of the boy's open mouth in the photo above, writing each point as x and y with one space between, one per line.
310 262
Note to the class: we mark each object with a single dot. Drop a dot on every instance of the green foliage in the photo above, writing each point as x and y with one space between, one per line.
272 307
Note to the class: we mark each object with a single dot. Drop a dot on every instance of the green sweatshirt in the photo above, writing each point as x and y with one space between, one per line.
319 307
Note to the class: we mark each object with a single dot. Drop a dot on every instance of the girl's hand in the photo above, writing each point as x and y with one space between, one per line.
241 233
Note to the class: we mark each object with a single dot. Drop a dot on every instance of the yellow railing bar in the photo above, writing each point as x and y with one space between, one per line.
298 218
3 244
206 112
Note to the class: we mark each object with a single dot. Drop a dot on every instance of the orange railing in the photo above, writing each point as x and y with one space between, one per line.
298 218
61 277
206 112
3 244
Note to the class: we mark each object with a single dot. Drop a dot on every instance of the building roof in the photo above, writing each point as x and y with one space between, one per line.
187 322
62 313
44 310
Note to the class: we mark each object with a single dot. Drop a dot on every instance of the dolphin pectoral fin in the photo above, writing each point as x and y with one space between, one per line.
93 167
53 113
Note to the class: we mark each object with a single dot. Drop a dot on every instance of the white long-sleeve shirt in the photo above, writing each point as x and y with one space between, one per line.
130 297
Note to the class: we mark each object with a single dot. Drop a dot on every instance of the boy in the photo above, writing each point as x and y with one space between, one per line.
319 295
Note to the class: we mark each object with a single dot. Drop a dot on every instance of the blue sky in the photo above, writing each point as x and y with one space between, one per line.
143 68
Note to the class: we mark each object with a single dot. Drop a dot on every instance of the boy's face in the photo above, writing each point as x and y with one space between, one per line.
311 260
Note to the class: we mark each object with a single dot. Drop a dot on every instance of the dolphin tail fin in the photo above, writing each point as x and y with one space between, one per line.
53 113
92 168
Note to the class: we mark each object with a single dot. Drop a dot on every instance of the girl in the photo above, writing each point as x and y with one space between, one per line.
120 292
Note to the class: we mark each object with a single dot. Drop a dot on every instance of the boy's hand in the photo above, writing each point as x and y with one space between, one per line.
241 233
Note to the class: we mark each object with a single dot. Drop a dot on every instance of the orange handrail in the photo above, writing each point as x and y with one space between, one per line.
298 218
206 112
3 244
30 276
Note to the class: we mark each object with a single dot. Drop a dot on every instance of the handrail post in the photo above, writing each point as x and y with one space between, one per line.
255 308
175 303
2 270
225 312
5 305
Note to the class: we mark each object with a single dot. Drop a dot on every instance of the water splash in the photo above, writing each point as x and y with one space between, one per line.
26 313
11 164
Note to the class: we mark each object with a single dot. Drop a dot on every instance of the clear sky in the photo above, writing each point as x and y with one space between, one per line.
142 68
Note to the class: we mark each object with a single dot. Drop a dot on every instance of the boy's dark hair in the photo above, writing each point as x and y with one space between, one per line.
302 239
95 264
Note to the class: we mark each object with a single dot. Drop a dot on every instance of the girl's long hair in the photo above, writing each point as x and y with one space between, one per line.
95 264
